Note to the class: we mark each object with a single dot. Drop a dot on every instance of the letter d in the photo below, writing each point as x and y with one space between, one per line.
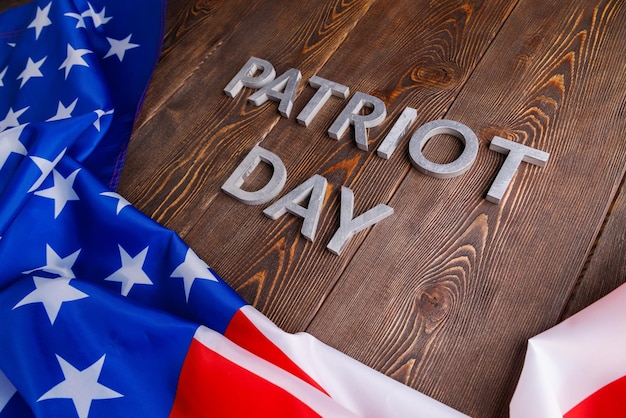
232 186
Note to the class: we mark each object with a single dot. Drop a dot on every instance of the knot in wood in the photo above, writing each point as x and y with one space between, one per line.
434 304
440 74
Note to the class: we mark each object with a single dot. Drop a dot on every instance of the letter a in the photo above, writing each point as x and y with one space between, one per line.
315 189
282 90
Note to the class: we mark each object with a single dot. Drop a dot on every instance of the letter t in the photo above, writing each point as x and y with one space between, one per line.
516 154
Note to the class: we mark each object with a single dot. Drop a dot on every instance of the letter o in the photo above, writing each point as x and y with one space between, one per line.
449 127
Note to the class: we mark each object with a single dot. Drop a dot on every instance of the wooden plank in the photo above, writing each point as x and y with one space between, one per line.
8 4
284 275
186 28
199 125
445 297
605 269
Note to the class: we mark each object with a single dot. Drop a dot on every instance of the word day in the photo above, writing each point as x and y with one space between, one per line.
260 74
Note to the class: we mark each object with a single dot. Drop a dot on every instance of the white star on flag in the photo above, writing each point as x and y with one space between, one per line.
57 265
10 143
98 18
100 113
45 166
2 74
32 70
52 293
63 112
74 57
190 270
131 272
81 386
119 47
79 17
62 191
41 20
121 202
10 120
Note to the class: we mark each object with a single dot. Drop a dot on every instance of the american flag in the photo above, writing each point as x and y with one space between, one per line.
103 312
577 369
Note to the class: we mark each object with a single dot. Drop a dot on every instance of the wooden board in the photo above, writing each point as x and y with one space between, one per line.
444 294
605 269
482 278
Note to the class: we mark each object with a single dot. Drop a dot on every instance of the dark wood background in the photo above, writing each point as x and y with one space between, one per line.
443 295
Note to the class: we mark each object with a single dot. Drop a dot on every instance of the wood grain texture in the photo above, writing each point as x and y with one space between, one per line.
8 4
463 283
444 294
188 24
605 269
284 272
200 124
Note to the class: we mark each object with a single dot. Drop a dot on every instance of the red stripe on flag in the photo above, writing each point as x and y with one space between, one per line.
608 402
212 386
245 334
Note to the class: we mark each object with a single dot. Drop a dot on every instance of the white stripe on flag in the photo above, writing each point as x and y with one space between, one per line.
357 387
574 359
307 394
7 390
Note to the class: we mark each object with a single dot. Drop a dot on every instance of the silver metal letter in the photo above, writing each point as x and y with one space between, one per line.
348 226
404 122
516 154
232 186
449 127
282 90
315 189
350 115
246 76
325 89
